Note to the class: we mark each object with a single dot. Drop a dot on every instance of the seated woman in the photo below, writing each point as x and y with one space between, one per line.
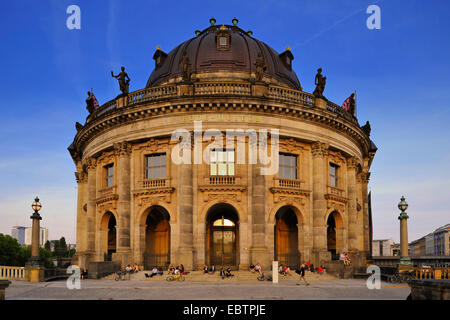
228 273
171 269
286 270
258 268
222 273
280 270
205 268
320 270
252 268
212 269
135 268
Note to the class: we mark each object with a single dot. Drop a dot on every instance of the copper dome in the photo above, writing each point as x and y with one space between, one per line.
237 56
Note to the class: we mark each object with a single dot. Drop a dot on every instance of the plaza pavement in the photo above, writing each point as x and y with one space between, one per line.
339 289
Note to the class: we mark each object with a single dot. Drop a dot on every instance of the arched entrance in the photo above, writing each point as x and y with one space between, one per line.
334 226
108 235
157 238
222 236
286 237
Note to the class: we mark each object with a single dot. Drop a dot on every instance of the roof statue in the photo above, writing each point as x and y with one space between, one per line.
261 66
185 67
320 82
123 79
366 128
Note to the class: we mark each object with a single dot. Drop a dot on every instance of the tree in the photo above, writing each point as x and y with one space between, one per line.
47 245
61 248
11 252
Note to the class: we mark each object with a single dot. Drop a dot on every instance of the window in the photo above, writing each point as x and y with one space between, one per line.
333 175
223 223
287 166
223 41
222 162
109 175
155 166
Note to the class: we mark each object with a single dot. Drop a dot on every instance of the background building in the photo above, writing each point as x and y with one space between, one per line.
137 205
436 243
18 233
385 247
43 236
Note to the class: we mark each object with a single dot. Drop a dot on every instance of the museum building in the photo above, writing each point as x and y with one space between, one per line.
137 205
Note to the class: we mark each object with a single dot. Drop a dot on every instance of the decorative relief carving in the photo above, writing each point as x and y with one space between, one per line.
91 163
123 148
291 146
106 158
106 199
318 149
223 197
81 177
163 193
107 206
290 200
352 163
336 157
336 206
363 177
153 200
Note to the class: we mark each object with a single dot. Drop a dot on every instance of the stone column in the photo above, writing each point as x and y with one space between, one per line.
319 251
352 211
123 189
185 252
259 253
365 193
91 210
81 177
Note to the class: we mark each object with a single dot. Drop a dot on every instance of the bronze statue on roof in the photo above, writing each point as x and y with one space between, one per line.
185 67
123 79
320 82
260 65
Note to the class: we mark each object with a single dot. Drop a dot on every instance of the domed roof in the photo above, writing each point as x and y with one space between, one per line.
224 48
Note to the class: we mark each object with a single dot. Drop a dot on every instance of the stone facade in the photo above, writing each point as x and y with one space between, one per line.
320 219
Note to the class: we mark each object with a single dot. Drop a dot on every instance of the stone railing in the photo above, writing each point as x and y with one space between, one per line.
155 183
107 191
287 183
431 273
296 96
340 111
335 191
214 88
12 273
153 93
222 180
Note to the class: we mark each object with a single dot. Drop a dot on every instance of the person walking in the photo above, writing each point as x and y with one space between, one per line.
301 273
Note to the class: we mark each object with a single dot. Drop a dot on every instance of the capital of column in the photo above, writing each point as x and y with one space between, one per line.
352 163
318 149
123 148
364 177
81 177
91 163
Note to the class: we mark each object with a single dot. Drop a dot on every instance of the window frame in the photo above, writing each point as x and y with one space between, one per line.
336 175
107 175
292 168
162 167
227 163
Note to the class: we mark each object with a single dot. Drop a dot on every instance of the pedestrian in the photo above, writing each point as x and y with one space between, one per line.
301 273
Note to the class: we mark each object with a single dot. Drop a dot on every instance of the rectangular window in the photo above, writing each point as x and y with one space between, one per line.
155 166
221 162
222 41
109 175
287 166
334 175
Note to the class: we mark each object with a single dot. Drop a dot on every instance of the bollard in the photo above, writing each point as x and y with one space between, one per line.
3 285
275 272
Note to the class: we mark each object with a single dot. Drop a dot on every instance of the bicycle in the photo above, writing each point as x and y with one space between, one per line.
174 277
120 275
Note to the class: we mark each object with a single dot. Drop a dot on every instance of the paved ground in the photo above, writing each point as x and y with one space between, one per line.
136 289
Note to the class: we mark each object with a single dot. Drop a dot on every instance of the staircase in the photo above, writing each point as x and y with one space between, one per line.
338 269
239 276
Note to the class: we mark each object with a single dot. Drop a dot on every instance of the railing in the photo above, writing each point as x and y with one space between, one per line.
431 273
222 88
336 191
55 273
291 95
288 183
340 111
12 273
108 191
220 180
153 93
155 183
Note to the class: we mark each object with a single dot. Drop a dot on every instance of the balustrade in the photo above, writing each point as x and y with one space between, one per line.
12 273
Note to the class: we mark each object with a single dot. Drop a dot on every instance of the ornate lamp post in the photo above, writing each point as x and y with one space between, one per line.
405 260
34 265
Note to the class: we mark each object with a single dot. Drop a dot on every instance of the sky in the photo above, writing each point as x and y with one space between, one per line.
400 73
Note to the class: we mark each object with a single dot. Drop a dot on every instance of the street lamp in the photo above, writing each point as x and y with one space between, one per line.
405 260
34 265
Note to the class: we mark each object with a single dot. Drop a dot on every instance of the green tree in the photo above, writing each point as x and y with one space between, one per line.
47 245
61 248
10 251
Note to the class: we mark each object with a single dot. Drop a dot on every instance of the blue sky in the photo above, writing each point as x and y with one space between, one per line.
400 73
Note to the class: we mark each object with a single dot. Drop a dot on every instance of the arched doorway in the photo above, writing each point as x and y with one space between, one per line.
334 224
157 238
222 236
108 235
286 237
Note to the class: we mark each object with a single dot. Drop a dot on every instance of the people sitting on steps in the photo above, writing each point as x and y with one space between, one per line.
228 273
212 269
258 268
251 268
205 269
